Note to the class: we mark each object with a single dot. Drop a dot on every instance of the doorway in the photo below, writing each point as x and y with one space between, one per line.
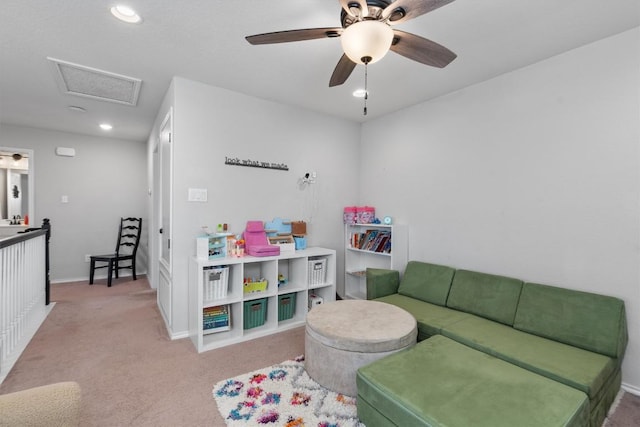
163 177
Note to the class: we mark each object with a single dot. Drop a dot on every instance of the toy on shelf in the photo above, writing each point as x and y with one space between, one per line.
236 246
299 232
256 242
278 227
251 285
279 234
282 281
360 215
211 246
285 243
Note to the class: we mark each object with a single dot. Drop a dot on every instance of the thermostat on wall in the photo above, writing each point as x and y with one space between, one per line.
386 220
65 151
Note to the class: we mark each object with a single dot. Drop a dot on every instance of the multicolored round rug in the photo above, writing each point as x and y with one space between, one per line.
283 395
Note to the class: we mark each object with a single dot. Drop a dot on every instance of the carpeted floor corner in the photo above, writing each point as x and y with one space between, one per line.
625 411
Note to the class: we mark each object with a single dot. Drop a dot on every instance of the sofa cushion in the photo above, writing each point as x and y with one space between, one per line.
590 321
381 282
440 382
487 295
581 369
426 282
430 317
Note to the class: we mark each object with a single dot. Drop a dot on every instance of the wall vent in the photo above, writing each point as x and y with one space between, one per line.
74 79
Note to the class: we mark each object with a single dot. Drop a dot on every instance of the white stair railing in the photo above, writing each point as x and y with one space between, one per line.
23 283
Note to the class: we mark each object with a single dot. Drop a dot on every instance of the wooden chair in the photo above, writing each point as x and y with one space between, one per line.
126 249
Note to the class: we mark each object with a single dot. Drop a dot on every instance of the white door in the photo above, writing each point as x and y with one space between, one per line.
165 191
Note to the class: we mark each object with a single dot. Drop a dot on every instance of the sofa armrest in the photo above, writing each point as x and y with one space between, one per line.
50 405
382 282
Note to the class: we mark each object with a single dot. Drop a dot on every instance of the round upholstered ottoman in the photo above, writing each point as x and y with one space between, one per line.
342 336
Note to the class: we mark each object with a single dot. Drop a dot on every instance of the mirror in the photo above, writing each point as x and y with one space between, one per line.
16 186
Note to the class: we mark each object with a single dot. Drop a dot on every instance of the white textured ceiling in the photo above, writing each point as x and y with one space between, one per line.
204 40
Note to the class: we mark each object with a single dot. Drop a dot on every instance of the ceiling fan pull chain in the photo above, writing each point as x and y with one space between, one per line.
366 89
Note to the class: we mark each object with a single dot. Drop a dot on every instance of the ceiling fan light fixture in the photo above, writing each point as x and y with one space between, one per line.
366 41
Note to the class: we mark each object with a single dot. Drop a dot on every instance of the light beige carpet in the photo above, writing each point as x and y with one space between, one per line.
113 342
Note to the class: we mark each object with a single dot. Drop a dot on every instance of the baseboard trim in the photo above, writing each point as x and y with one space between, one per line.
631 389
172 335
86 279
179 335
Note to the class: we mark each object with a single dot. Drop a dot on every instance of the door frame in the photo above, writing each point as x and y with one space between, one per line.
167 125
162 277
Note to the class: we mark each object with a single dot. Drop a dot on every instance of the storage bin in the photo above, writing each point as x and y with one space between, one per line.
317 271
286 306
216 283
255 313
349 215
286 243
314 300
365 214
259 286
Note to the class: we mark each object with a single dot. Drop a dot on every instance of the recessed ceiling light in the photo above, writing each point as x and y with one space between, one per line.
105 126
126 14
77 109
359 93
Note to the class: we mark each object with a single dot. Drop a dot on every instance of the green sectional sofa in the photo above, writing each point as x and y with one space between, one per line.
500 351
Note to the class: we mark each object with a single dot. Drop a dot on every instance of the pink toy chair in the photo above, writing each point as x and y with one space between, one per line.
256 242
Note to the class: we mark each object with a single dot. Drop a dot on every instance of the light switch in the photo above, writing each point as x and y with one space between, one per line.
197 195
64 199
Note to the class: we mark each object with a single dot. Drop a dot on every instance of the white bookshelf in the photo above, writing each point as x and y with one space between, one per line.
358 260
294 266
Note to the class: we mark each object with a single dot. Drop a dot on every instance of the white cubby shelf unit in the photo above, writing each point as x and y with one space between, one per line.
371 246
299 278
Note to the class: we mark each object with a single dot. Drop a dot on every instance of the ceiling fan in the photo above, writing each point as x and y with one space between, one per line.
367 35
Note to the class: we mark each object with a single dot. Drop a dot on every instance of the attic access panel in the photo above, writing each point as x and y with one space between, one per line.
79 80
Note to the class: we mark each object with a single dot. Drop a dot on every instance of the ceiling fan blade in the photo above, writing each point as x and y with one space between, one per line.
421 50
342 71
294 35
403 10
364 9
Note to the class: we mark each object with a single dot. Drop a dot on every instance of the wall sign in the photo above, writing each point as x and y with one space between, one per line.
255 164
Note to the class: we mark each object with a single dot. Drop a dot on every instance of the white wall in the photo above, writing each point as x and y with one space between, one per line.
104 181
534 174
212 123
